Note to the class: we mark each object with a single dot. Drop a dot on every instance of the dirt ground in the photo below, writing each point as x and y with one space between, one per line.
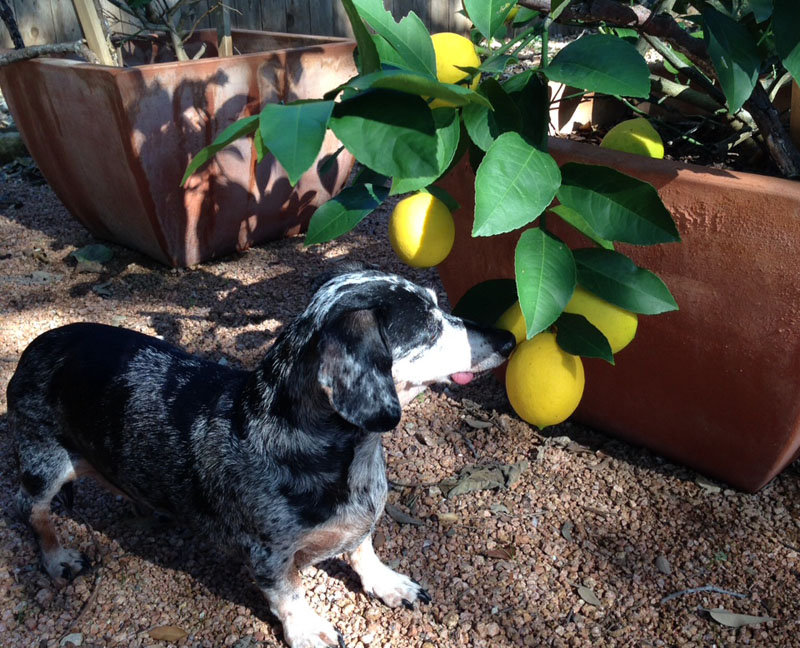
589 541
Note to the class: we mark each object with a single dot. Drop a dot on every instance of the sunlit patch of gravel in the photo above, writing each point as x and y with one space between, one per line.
504 567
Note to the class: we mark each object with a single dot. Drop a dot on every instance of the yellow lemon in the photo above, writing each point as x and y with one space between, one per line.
635 136
452 50
513 321
617 324
544 383
421 230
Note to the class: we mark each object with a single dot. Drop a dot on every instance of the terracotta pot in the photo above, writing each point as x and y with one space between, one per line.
114 142
715 385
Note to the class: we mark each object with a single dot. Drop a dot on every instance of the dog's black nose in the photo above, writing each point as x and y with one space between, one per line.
506 342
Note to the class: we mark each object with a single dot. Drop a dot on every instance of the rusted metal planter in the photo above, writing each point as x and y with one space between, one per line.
715 385
114 142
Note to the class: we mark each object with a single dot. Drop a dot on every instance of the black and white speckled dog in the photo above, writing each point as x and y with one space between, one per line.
280 463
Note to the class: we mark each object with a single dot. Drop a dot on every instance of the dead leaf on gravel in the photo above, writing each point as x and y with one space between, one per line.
168 633
566 530
601 464
378 540
477 423
734 620
505 552
588 596
499 508
74 639
103 290
475 478
662 564
707 485
447 519
401 516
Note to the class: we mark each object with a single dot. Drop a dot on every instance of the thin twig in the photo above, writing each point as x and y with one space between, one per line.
705 588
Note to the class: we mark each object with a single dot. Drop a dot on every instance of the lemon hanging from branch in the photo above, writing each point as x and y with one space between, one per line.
421 230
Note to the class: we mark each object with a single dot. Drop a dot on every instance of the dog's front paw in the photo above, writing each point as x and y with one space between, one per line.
394 589
309 630
64 564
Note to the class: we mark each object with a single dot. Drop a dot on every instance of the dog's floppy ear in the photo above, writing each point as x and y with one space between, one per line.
355 371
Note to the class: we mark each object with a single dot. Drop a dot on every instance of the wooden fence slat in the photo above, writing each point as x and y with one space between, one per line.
322 18
49 21
298 16
273 15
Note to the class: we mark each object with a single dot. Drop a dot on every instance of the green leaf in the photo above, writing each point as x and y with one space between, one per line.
237 129
531 94
546 279
578 336
488 15
485 125
409 37
514 183
414 83
391 132
524 15
618 280
570 216
368 59
448 132
261 148
734 55
343 212
617 206
787 35
389 55
485 302
294 133
601 63
556 7
762 9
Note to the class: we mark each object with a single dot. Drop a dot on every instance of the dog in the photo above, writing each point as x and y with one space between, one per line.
284 463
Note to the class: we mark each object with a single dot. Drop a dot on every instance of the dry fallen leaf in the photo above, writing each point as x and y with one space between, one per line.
707 485
662 564
400 516
589 596
477 423
447 519
566 530
168 633
734 620
506 552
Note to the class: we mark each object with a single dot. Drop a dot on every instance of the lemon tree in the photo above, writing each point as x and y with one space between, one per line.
421 230
544 383
635 136
420 103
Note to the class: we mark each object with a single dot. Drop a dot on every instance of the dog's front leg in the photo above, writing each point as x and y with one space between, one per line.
379 580
302 627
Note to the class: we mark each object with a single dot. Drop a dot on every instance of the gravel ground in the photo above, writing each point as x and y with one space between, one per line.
580 547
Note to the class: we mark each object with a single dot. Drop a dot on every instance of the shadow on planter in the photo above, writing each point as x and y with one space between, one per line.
715 385
114 142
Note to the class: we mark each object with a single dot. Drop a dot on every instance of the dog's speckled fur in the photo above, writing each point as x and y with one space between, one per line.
280 464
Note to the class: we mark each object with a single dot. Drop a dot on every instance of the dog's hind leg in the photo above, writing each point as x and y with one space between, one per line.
45 466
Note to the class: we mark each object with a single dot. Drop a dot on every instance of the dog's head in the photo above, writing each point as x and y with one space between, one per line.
382 339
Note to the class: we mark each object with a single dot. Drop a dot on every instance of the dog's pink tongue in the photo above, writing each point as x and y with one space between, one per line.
462 378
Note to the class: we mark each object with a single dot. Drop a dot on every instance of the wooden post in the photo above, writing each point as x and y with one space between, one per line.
224 32
93 31
794 115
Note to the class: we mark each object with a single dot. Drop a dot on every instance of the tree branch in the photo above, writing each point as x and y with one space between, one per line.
11 24
78 47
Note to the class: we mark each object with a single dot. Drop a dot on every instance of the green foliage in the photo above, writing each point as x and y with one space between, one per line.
383 117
